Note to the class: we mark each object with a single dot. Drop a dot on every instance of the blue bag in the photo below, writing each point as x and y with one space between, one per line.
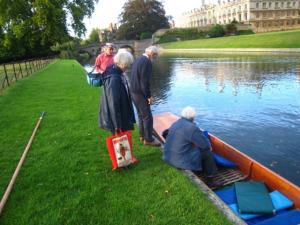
96 79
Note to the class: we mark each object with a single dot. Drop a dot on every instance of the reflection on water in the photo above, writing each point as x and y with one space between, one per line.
251 102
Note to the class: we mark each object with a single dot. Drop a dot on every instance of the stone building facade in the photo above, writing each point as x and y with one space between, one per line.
262 15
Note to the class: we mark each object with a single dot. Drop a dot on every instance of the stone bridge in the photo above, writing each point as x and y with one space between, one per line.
94 48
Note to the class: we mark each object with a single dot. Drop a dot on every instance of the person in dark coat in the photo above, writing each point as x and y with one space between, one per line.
116 110
187 148
141 95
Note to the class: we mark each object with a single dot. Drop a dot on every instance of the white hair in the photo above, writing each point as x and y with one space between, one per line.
151 49
188 113
124 58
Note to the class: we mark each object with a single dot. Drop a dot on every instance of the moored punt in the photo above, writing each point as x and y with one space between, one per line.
246 166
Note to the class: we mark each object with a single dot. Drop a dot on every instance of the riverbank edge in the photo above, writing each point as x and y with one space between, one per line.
230 50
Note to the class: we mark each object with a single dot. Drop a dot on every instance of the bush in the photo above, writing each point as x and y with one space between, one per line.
66 50
165 39
216 31
65 54
245 32
83 58
181 34
145 35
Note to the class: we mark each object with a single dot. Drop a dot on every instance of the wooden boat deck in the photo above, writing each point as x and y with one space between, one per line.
226 176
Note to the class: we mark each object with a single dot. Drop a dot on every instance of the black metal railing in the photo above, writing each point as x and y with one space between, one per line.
14 71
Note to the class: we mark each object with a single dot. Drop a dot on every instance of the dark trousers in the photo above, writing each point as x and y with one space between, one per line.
144 116
209 166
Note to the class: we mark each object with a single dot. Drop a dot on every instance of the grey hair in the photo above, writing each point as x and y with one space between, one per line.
123 50
188 113
151 49
124 58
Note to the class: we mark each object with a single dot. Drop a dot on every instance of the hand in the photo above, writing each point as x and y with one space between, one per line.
150 100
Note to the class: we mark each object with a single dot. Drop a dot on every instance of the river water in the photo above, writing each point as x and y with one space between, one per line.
250 101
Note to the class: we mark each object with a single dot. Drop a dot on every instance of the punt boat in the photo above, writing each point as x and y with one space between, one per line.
247 168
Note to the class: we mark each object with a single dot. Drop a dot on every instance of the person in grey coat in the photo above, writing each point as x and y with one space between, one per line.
116 109
187 148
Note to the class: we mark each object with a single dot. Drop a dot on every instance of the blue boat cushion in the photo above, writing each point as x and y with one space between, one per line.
279 201
221 161
253 197
227 195
289 218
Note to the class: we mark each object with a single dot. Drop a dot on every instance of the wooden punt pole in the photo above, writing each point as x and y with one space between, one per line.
17 170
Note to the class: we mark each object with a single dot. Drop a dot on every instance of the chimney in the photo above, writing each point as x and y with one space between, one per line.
203 2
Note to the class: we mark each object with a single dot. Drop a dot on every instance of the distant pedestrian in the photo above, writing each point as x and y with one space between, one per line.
105 58
141 73
116 109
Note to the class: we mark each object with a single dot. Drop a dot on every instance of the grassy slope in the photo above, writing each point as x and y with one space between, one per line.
287 39
67 177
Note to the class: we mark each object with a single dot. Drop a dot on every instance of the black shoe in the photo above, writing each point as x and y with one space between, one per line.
152 143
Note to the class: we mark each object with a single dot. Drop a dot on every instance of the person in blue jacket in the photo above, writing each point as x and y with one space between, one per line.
116 109
187 148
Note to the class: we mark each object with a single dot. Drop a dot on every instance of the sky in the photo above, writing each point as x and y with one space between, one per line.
107 11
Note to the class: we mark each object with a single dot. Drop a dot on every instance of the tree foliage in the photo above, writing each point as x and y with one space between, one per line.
145 35
231 28
93 37
216 31
140 16
181 34
29 28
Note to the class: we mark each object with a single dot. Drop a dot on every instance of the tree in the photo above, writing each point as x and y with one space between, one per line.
94 36
140 16
29 28
231 28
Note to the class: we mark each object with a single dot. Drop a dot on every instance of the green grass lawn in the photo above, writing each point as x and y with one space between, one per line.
67 176
286 39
